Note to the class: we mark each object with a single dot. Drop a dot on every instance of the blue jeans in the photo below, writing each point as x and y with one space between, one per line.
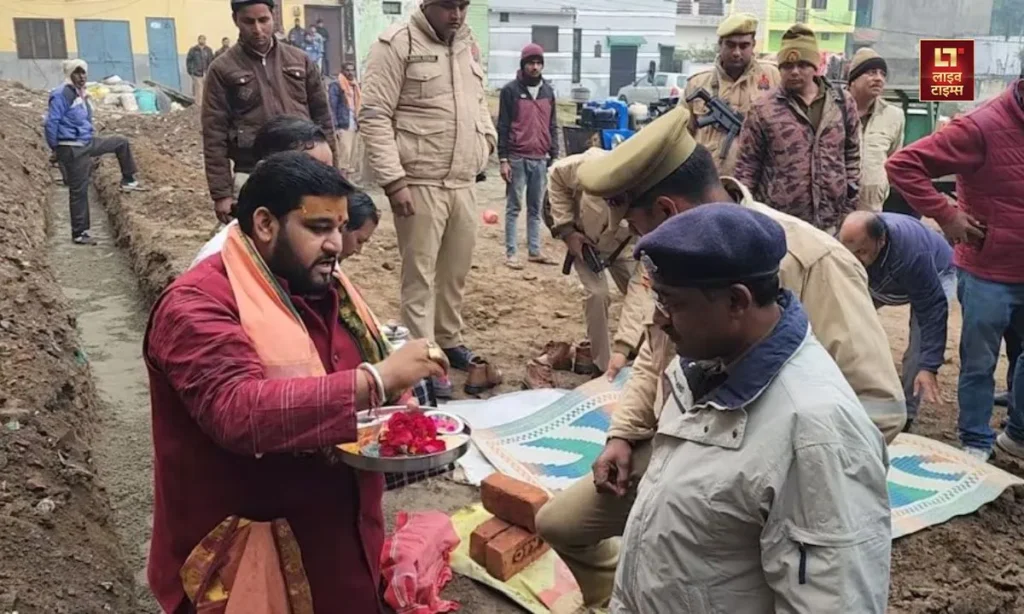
912 357
529 180
989 309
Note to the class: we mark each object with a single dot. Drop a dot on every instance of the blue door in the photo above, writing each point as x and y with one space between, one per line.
107 47
163 52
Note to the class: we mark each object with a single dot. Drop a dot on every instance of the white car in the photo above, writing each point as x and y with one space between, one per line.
645 91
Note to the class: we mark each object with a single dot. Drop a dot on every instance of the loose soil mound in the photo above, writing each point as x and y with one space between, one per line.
966 565
58 552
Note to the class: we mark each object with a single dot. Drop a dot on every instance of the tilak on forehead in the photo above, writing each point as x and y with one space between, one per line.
315 207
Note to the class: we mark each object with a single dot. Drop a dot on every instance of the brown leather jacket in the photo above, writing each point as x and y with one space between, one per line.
244 90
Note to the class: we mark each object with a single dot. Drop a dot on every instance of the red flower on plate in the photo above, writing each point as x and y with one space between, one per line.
410 432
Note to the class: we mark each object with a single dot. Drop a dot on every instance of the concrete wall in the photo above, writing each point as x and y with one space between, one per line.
192 18
696 37
215 23
653 20
371 21
907 21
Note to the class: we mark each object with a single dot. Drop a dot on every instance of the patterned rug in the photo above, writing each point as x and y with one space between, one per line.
552 447
931 482
555 445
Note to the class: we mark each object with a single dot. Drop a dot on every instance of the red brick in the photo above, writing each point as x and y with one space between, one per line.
511 551
512 500
484 533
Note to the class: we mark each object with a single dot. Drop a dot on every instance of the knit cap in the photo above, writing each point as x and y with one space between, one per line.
70 66
799 45
864 60
532 50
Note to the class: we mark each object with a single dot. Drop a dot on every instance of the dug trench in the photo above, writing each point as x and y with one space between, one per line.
970 564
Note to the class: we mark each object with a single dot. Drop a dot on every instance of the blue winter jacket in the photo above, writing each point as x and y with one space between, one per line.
339 106
910 269
69 117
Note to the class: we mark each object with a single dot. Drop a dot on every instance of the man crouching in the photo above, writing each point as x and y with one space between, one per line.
766 489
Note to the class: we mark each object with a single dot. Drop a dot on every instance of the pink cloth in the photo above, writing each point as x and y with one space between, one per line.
415 563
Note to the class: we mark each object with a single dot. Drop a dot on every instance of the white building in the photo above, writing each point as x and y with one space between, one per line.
600 45
696 23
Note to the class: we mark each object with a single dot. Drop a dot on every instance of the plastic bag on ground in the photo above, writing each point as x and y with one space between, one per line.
415 563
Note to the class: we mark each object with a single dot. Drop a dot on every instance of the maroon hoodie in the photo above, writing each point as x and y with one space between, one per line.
526 126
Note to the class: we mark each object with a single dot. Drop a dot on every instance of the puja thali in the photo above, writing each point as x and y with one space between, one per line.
376 451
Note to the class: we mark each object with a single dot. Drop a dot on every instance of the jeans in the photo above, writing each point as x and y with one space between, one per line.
529 180
77 163
912 357
989 309
1013 351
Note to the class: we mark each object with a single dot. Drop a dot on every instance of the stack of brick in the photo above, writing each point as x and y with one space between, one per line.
507 543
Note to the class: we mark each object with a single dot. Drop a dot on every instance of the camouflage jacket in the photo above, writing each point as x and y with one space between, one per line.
812 175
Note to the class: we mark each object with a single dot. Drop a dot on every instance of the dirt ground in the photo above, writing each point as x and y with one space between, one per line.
58 552
968 565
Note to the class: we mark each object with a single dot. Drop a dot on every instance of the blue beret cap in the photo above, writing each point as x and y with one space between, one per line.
713 245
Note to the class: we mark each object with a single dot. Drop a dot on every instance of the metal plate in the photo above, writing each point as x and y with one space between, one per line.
348 453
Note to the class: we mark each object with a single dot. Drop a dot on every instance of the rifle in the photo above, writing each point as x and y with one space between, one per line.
720 114
594 263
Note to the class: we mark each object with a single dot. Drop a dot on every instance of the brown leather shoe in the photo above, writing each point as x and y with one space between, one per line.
538 375
584 361
559 355
482 376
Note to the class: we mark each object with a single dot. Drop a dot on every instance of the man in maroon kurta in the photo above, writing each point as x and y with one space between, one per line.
214 411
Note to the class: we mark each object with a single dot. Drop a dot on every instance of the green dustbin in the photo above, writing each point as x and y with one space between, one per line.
922 117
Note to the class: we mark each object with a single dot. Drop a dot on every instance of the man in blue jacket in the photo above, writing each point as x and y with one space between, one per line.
70 134
907 262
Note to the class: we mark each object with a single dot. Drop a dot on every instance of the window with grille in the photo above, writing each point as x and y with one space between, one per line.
819 4
503 17
392 8
546 37
40 39
684 7
711 7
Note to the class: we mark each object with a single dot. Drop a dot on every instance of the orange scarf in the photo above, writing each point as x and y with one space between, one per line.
352 94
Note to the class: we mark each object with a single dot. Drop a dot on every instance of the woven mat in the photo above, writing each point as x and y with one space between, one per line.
552 447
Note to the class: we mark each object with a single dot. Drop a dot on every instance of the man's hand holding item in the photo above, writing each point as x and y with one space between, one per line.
416 360
612 467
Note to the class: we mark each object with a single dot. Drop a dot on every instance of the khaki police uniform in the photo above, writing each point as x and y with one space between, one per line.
425 125
579 522
573 210
759 77
881 135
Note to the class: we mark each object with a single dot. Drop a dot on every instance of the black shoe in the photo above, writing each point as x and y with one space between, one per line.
460 357
1002 399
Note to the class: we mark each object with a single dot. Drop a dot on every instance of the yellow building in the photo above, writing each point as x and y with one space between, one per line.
135 39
